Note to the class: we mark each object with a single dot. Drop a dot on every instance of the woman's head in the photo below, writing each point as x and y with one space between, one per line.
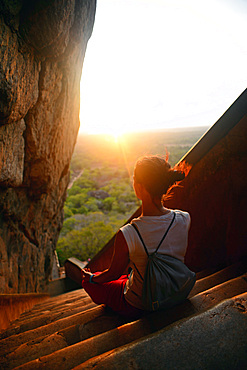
156 175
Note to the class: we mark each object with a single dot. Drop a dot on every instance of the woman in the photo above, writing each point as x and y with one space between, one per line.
153 176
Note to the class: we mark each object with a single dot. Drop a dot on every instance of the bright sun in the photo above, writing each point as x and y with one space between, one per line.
116 137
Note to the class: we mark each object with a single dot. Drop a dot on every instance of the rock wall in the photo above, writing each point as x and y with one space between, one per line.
214 193
43 44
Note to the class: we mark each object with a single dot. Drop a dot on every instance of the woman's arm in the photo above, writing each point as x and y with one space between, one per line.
119 262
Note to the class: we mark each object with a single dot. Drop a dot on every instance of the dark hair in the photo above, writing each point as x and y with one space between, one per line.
156 175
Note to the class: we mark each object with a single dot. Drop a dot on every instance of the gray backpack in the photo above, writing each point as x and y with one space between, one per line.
167 280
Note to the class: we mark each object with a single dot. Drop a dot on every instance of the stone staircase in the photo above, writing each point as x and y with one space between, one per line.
207 331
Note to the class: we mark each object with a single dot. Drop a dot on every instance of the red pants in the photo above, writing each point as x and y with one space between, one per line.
112 295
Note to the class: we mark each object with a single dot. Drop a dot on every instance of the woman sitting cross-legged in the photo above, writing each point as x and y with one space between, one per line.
153 176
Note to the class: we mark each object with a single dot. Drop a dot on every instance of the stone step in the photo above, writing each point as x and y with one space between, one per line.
219 277
92 327
79 302
48 317
13 305
50 343
98 344
209 271
214 339
54 302
51 305
52 310
9 344
156 320
45 313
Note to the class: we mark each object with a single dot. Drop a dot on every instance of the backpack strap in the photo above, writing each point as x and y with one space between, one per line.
138 271
174 215
138 232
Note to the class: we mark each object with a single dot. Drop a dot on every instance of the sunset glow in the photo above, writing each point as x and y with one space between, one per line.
156 64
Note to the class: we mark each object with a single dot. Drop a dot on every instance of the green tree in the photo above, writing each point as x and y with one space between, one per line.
107 203
68 225
67 211
84 243
75 190
92 204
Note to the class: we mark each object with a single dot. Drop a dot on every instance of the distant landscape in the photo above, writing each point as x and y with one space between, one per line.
100 195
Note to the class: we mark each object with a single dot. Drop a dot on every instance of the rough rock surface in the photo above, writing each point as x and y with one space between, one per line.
42 47
215 339
215 190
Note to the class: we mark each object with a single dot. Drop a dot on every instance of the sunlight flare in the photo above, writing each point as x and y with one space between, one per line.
184 70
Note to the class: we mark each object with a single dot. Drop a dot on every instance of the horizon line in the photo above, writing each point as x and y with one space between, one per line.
84 133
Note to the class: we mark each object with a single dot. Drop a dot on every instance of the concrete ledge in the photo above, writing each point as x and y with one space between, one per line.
61 286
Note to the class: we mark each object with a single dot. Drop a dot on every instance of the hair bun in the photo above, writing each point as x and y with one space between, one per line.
176 176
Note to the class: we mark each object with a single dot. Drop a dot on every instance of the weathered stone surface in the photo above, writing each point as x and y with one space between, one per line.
19 76
42 49
46 25
12 305
46 161
215 339
80 318
4 265
36 348
10 10
12 154
214 194
101 334
29 229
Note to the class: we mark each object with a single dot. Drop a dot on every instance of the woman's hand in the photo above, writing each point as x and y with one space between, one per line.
86 273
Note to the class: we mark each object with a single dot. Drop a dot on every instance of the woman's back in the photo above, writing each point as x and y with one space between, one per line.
152 229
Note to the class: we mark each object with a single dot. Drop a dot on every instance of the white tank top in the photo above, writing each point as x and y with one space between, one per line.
152 229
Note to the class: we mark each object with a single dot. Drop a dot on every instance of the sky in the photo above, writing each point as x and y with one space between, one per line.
157 64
